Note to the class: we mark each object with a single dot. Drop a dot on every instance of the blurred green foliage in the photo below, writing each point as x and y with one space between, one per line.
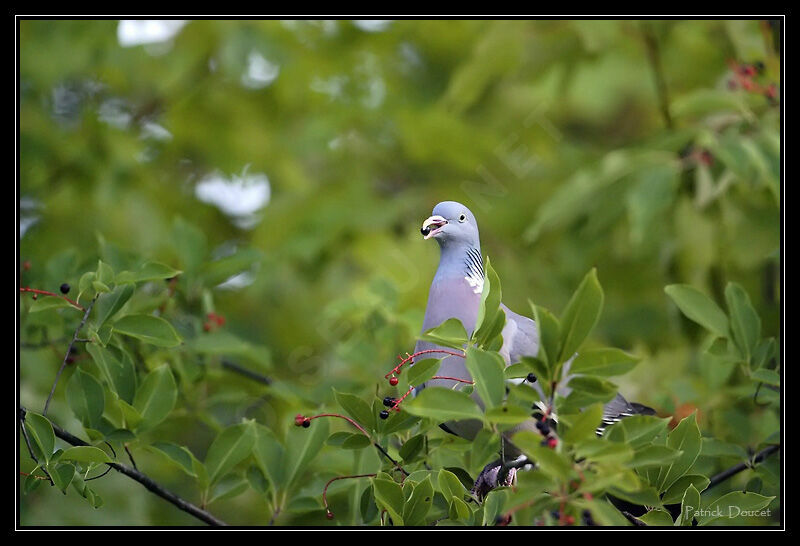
649 150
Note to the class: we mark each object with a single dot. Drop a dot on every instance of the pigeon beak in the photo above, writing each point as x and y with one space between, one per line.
432 226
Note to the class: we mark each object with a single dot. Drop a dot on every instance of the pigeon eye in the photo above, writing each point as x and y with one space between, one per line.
462 218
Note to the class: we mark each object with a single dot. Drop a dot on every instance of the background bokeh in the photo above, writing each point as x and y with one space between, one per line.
297 160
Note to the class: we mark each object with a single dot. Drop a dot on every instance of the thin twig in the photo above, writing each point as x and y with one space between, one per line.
130 456
146 481
69 352
653 54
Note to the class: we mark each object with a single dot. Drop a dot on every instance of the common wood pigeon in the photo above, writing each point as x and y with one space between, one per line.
456 293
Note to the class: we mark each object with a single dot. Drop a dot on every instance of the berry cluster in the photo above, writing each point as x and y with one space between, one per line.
744 78
545 428
213 321
301 420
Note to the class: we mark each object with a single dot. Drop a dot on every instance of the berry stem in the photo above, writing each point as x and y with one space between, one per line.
325 490
46 293
410 358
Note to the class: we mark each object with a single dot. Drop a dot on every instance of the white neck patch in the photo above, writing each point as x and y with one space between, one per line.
473 272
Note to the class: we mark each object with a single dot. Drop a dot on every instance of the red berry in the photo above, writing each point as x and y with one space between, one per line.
207 326
26 265
570 520
35 296
552 442
393 381
299 419
329 515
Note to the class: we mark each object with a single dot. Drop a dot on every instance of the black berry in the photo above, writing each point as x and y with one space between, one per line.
64 288
389 401
384 414
543 427
531 378
306 423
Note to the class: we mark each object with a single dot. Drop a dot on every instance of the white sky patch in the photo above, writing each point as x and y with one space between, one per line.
238 281
372 25
260 72
239 197
132 32
155 131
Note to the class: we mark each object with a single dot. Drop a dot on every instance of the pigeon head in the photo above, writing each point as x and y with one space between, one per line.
452 223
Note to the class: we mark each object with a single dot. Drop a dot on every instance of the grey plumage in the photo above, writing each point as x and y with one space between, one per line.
455 292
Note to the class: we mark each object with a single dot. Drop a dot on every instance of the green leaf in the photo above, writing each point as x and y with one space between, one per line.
686 438
548 460
675 492
107 306
147 328
699 308
356 408
177 455
117 369
150 271
646 496
412 447
764 352
581 314
690 505
450 333
104 273
507 415
356 441
549 336
450 486
653 455
228 487
40 432
770 377
389 495
47 303
303 445
443 405
419 503
85 397
604 362
423 370
656 518
584 425
229 448
257 480
85 454
269 454
637 430
459 511
597 450
486 369
745 322
62 474
156 397
587 389
732 505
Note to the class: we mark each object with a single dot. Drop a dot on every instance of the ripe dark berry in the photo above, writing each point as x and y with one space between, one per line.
64 288
35 296
384 414
543 427
544 443
389 401
531 378
306 423
537 414
393 381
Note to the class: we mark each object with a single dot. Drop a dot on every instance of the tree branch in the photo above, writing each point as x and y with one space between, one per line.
69 351
732 471
146 481
246 373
